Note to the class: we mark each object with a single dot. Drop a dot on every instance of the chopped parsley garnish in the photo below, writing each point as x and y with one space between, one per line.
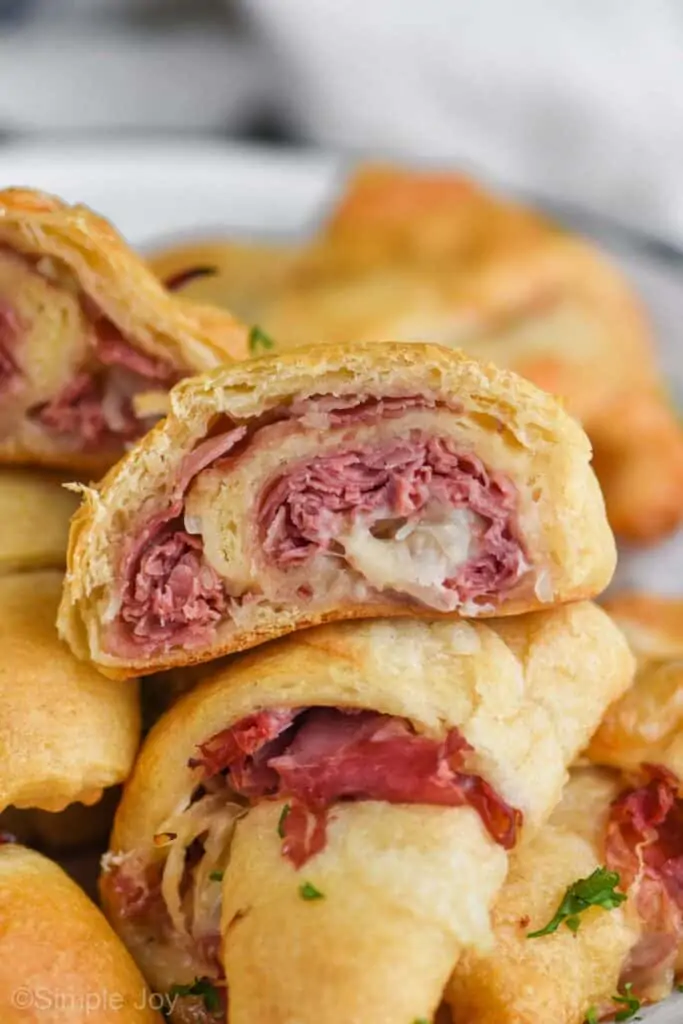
200 987
628 1001
308 891
679 988
258 339
283 818
421 1020
216 876
598 890
592 1015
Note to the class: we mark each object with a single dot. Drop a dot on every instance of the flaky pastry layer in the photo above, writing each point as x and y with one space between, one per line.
73 297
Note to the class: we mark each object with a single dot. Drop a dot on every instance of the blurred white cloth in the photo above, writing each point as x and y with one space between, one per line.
77 65
579 99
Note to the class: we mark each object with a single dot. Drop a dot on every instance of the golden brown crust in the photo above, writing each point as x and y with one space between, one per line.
59 959
652 624
560 976
35 510
638 445
504 685
524 426
85 269
382 942
66 733
481 271
410 254
245 275
646 724
117 280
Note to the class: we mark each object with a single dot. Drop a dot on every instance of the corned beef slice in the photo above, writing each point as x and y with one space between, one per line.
302 512
175 595
96 406
77 411
316 757
644 844
112 349
171 594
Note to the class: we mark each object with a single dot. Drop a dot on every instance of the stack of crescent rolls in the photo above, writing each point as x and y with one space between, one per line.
396 765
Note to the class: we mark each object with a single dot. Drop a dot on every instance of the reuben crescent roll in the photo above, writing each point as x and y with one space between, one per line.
66 732
434 256
325 821
89 339
332 483
35 510
631 823
646 724
653 624
60 962
618 844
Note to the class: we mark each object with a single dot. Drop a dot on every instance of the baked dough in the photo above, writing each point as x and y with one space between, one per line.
87 334
332 483
244 276
59 959
419 255
653 624
35 510
557 977
407 886
66 732
646 724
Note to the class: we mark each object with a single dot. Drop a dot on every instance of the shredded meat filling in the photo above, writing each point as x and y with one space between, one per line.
317 757
412 517
305 510
175 595
644 844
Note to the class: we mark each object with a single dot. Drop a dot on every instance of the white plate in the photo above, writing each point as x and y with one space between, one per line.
156 192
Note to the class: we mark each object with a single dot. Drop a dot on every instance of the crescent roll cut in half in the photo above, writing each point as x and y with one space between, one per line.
411 255
59 959
323 824
66 732
589 923
90 341
35 510
646 724
332 483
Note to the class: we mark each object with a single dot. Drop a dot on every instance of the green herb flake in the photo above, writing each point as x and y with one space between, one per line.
281 822
216 876
308 891
592 1015
202 987
259 340
628 1001
421 1020
598 890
